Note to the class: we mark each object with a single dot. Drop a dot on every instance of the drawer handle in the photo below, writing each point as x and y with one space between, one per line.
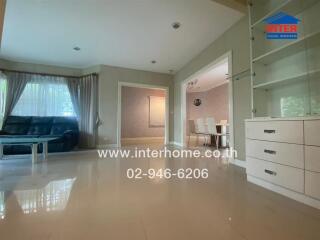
270 152
270 172
269 131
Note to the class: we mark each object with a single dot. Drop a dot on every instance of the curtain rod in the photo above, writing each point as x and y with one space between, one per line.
47 74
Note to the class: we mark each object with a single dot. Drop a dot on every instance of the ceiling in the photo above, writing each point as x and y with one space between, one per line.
124 33
211 79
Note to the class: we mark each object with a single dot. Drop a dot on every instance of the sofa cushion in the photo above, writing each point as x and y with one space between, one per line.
18 120
16 129
39 129
59 129
21 149
41 120
7 149
40 125
62 124
67 120
2 132
16 125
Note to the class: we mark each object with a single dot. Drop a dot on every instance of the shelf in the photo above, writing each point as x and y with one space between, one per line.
292 7
284 81
287 49
272 12
291 67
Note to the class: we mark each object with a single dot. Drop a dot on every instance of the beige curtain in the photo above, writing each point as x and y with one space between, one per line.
73 86
16 82
88 110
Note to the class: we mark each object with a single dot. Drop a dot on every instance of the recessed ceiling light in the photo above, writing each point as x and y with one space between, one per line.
153 61
76 48
176 25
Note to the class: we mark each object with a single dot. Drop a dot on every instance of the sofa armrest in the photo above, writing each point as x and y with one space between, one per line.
72 137
70 133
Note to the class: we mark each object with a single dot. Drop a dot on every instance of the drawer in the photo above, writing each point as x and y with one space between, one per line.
288 177
312 132
276 131
312 158
313 184
282 153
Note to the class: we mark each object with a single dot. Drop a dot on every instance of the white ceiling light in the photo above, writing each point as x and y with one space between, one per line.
192 84
211 79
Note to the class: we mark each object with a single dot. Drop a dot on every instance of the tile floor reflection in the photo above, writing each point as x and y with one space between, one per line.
83 197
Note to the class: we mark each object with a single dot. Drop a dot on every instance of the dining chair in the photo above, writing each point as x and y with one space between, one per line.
201 129
192 130
224 122
212 130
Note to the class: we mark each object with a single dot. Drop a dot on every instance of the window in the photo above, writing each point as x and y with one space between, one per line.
45 96
3 91
292 106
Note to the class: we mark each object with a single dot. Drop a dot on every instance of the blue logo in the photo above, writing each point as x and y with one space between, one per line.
282 26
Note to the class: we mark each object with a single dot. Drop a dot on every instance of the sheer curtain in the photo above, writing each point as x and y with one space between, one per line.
16 82
3 91
73 86
45 96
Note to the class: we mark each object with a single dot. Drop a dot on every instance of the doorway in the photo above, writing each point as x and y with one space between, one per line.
207 95
143 115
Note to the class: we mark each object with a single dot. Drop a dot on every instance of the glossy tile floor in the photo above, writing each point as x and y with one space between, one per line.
83 197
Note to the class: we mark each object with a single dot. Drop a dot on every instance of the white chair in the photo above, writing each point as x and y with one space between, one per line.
192 130
224 122
212 130
225 129
201 130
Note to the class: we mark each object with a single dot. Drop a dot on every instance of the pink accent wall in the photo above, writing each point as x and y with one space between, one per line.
135 113
215 103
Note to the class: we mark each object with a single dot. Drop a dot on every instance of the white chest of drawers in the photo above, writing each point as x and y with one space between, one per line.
283 155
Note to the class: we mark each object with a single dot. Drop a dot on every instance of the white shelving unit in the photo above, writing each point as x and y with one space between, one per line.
288 49
285 73
282 138
284 81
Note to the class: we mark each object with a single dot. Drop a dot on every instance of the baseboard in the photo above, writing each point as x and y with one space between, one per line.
107 146
239 163
194 139
176 144
286 192
142 140
52 154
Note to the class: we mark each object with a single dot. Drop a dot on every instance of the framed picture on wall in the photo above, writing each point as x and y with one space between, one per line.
156 111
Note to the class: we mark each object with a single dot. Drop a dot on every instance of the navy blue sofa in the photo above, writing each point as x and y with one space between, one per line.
64 128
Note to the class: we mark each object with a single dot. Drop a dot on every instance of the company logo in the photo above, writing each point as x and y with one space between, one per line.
282 26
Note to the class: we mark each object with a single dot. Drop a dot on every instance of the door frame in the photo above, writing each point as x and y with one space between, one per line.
147 86
183 103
